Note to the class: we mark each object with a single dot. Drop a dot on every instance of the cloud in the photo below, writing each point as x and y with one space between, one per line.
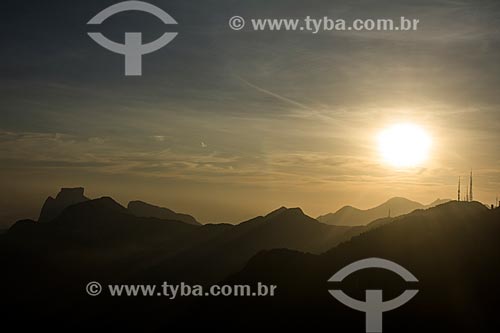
159 138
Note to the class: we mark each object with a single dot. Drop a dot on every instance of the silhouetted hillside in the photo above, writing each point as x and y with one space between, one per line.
226 249
350 216
142 209
95 235
452 249
100 239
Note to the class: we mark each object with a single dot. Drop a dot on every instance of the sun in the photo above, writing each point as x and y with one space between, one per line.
404 145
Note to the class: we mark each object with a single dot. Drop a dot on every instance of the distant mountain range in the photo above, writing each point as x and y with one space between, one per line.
52 208
346 216
452 248
172 242
350 216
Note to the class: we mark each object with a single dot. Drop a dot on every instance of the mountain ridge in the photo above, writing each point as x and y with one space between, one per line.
101 240
144 209
451 249
396 206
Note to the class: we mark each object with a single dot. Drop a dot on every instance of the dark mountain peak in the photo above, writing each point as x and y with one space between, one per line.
296 211
100 204
276 212
351 216
348 208
460 208
106 201
450 210
106 222
23 226
399 200
67 193
284 214
65 198
438 202
143 209
100 210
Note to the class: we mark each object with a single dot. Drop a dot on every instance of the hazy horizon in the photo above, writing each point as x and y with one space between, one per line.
32 212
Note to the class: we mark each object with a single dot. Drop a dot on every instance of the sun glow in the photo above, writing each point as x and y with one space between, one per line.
404 145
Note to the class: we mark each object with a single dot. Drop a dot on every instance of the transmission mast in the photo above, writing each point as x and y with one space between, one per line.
467 194
471 198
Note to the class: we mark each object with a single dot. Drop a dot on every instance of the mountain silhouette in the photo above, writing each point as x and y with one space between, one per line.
350 216
104 221
437 202
212 252
142 209
65 198
452 249
170 247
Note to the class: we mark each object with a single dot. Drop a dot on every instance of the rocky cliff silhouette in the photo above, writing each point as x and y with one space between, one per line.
65 198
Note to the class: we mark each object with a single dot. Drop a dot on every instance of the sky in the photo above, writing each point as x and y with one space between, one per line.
226 125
